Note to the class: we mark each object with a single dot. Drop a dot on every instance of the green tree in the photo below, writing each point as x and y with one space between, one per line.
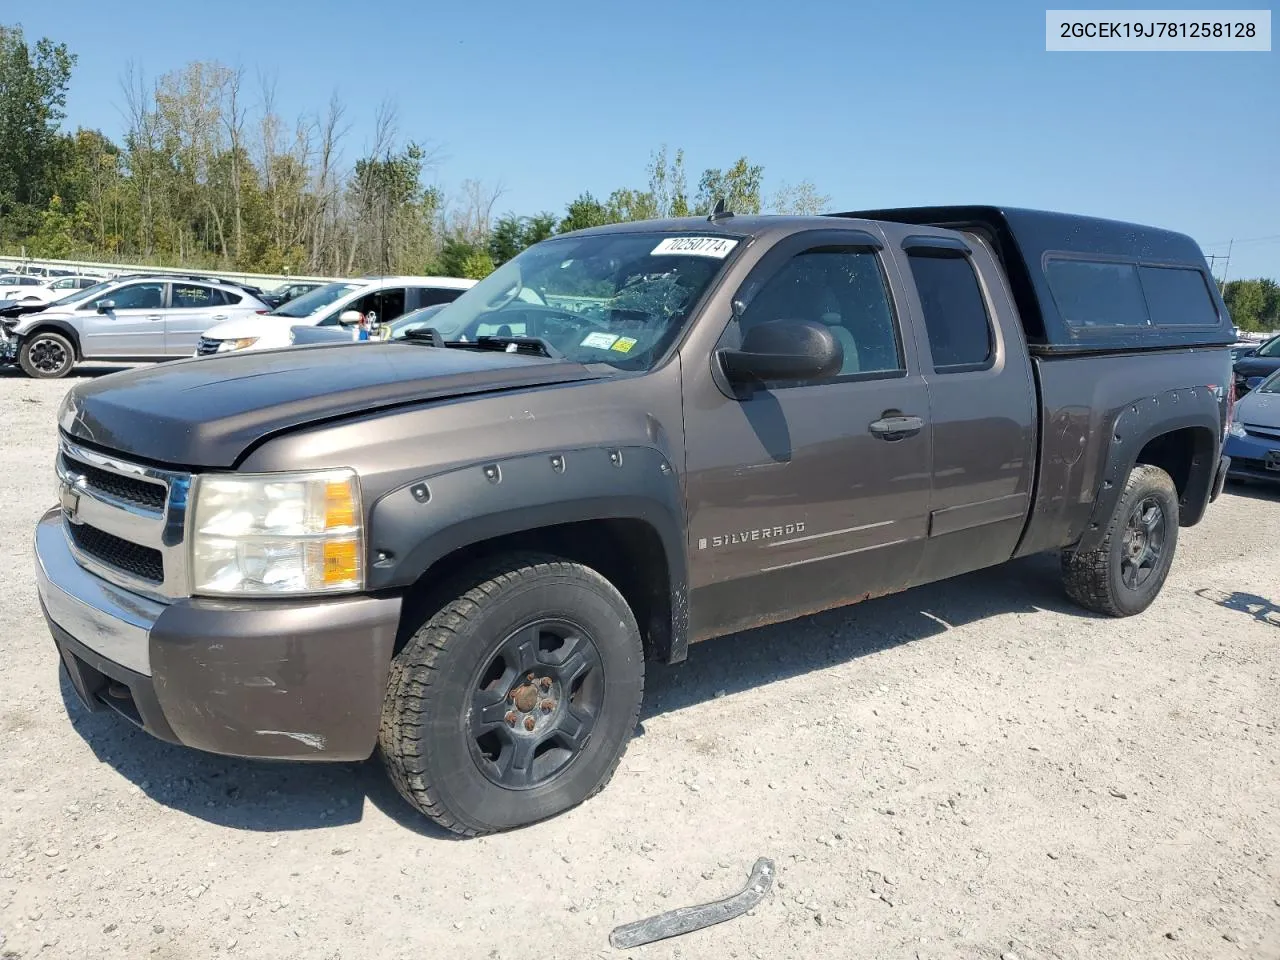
33 96
1270 316
625 205
462 258
1247 302
507 238
739 186
667 184
53 238
802 200
538 227
586 211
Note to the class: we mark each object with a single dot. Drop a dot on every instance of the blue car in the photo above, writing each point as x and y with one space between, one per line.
1253 440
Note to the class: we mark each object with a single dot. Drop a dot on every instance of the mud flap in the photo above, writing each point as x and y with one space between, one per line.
673 923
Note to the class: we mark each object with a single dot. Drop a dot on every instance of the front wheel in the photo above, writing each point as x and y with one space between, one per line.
515 701
1124 574
46 356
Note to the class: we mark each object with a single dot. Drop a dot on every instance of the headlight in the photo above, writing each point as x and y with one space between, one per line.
277 533
226 346
1236 429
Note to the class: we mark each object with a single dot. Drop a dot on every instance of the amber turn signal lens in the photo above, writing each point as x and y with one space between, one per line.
341 561
339 505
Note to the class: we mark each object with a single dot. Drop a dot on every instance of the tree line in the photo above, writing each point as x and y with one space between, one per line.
209 174
1254 304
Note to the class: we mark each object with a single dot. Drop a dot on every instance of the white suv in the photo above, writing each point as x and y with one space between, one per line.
376 300
138 317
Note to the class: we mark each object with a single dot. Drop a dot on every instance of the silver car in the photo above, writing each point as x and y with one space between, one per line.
126 318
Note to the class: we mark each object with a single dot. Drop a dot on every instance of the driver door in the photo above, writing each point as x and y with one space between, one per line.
798 500
134 327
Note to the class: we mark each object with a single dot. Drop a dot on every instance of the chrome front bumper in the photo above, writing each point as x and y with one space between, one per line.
109 620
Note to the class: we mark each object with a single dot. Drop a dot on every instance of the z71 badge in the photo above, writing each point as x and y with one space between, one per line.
746 536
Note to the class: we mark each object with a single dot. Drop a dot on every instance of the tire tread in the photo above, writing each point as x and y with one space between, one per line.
414 673
1086 574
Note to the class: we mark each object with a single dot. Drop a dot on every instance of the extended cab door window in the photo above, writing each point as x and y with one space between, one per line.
983 403
955 313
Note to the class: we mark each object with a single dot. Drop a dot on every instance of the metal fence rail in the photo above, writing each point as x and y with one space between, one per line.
263 280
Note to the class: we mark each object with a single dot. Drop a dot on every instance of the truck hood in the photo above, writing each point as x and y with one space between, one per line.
207 412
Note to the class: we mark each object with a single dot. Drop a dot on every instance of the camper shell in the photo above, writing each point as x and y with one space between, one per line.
1088 285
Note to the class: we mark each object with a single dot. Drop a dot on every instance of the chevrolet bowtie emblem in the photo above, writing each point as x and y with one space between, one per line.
69 498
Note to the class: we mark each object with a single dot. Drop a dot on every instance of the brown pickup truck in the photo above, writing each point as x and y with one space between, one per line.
460 548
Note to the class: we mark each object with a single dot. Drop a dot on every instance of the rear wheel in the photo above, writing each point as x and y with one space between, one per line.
515 701
1124 574
46 355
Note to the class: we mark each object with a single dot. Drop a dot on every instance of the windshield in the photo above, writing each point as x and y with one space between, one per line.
77 295
617 298
1269 349
318 299
413 320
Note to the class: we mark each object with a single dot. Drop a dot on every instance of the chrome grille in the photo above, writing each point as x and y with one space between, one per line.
142 562
125 522
131 490
206 346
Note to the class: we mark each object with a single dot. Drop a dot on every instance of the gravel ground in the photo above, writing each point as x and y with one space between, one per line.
974 769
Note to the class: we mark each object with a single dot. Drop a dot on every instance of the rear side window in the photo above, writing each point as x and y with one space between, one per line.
1177 296
191 296
224 297
955 312
1091 293
430 296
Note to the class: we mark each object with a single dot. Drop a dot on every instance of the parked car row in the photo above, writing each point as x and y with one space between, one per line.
1253 362
141 317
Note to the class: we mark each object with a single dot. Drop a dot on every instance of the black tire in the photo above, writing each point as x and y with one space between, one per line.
447 738
46 355
1124 574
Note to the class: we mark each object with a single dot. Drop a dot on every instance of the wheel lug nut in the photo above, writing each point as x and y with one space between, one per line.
548 706
545 683
511 718
528 723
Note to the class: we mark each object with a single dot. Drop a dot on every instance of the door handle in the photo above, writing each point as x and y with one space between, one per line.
896 427
153 319
219 317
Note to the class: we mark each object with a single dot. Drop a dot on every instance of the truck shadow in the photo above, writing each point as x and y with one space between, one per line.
1254 490
748 660
265 796
251 795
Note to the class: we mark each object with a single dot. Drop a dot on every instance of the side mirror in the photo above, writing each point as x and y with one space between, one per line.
106 306
349 317
783 350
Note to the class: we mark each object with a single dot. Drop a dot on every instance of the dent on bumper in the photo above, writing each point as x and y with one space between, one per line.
301 679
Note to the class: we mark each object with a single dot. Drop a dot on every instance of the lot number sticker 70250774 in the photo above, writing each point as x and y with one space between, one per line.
718 247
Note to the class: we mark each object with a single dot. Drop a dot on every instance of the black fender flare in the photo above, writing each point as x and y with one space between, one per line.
56 326
426 519
1137 424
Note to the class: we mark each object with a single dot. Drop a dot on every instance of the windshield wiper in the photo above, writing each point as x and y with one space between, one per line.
529 346
428 335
